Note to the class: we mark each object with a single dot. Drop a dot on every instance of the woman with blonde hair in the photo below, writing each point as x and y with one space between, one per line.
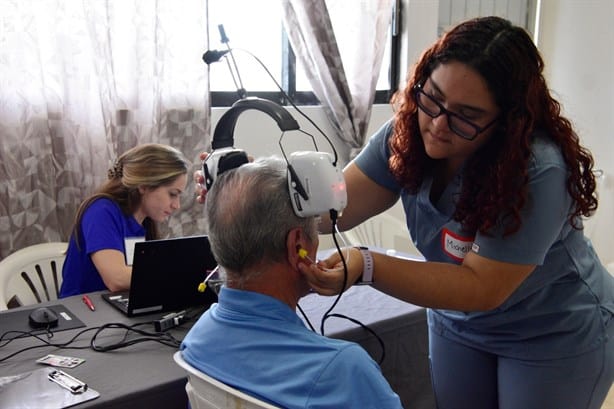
143 189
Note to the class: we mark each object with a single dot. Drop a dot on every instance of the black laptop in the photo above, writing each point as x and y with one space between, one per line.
165 277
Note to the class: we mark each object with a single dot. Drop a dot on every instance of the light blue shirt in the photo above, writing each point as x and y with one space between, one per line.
564 305
257 344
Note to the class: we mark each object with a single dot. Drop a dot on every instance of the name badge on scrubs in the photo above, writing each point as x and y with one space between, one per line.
456 246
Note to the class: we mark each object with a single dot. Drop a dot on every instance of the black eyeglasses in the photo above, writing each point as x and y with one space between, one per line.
459 125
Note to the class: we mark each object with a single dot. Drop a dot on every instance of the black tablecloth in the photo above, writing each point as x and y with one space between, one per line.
145 375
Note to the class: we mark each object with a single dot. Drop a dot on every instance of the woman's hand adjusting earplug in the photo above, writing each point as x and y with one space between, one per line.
326 277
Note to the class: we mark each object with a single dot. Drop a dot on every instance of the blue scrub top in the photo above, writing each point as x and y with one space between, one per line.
564 305
103 226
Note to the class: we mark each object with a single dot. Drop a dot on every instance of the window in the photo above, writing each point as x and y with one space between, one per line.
255 33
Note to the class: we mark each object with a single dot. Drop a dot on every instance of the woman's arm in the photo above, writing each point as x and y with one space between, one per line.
479 284
111 266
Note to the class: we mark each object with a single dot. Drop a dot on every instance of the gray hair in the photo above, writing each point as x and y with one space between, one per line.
249 216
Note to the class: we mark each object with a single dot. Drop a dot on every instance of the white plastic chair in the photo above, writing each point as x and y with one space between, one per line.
32 275
384 231
205 392
598 228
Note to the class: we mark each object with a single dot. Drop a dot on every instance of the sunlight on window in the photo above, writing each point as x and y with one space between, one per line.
260 36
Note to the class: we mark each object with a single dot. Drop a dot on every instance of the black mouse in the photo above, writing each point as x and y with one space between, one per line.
43 317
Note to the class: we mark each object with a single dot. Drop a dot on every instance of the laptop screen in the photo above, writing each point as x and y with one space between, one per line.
166 274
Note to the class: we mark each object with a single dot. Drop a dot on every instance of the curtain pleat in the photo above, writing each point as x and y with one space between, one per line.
343 76
82 82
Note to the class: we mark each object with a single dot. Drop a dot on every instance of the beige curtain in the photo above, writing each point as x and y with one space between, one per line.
342 71
81 82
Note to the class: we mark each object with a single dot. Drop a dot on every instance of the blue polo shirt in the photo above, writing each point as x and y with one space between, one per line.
257 344
103 226
561 309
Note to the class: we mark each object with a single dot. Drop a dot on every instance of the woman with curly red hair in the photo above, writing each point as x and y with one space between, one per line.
494 183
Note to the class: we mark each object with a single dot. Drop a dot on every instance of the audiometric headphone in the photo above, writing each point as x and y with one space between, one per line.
315 184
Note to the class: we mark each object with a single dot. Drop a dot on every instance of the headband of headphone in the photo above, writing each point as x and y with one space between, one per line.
315 184
225 128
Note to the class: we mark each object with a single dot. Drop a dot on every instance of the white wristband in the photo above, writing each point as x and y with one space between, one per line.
367 267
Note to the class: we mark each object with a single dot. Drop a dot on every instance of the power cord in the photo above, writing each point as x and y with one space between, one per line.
160 334
165 338
170 321
45 342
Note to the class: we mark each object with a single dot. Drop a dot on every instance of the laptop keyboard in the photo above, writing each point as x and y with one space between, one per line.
121 300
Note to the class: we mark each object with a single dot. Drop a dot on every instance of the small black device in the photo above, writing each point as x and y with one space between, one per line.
43 317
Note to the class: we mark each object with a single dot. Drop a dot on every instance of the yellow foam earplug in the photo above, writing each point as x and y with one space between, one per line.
302 253
202 287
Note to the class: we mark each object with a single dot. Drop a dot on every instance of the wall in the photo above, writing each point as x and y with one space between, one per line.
577 40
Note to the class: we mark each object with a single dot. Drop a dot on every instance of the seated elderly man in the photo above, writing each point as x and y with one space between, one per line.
252 339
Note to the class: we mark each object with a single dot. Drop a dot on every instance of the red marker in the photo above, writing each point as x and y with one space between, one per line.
89 303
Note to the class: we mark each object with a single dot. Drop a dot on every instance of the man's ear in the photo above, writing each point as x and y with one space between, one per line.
295 242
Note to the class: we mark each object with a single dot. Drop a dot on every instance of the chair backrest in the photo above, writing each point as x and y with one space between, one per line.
598 228
205 392
384 231
32 275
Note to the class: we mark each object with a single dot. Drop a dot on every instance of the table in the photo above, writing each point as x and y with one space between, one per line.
145 375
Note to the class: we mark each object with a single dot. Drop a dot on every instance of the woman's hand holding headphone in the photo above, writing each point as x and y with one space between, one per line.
199 180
